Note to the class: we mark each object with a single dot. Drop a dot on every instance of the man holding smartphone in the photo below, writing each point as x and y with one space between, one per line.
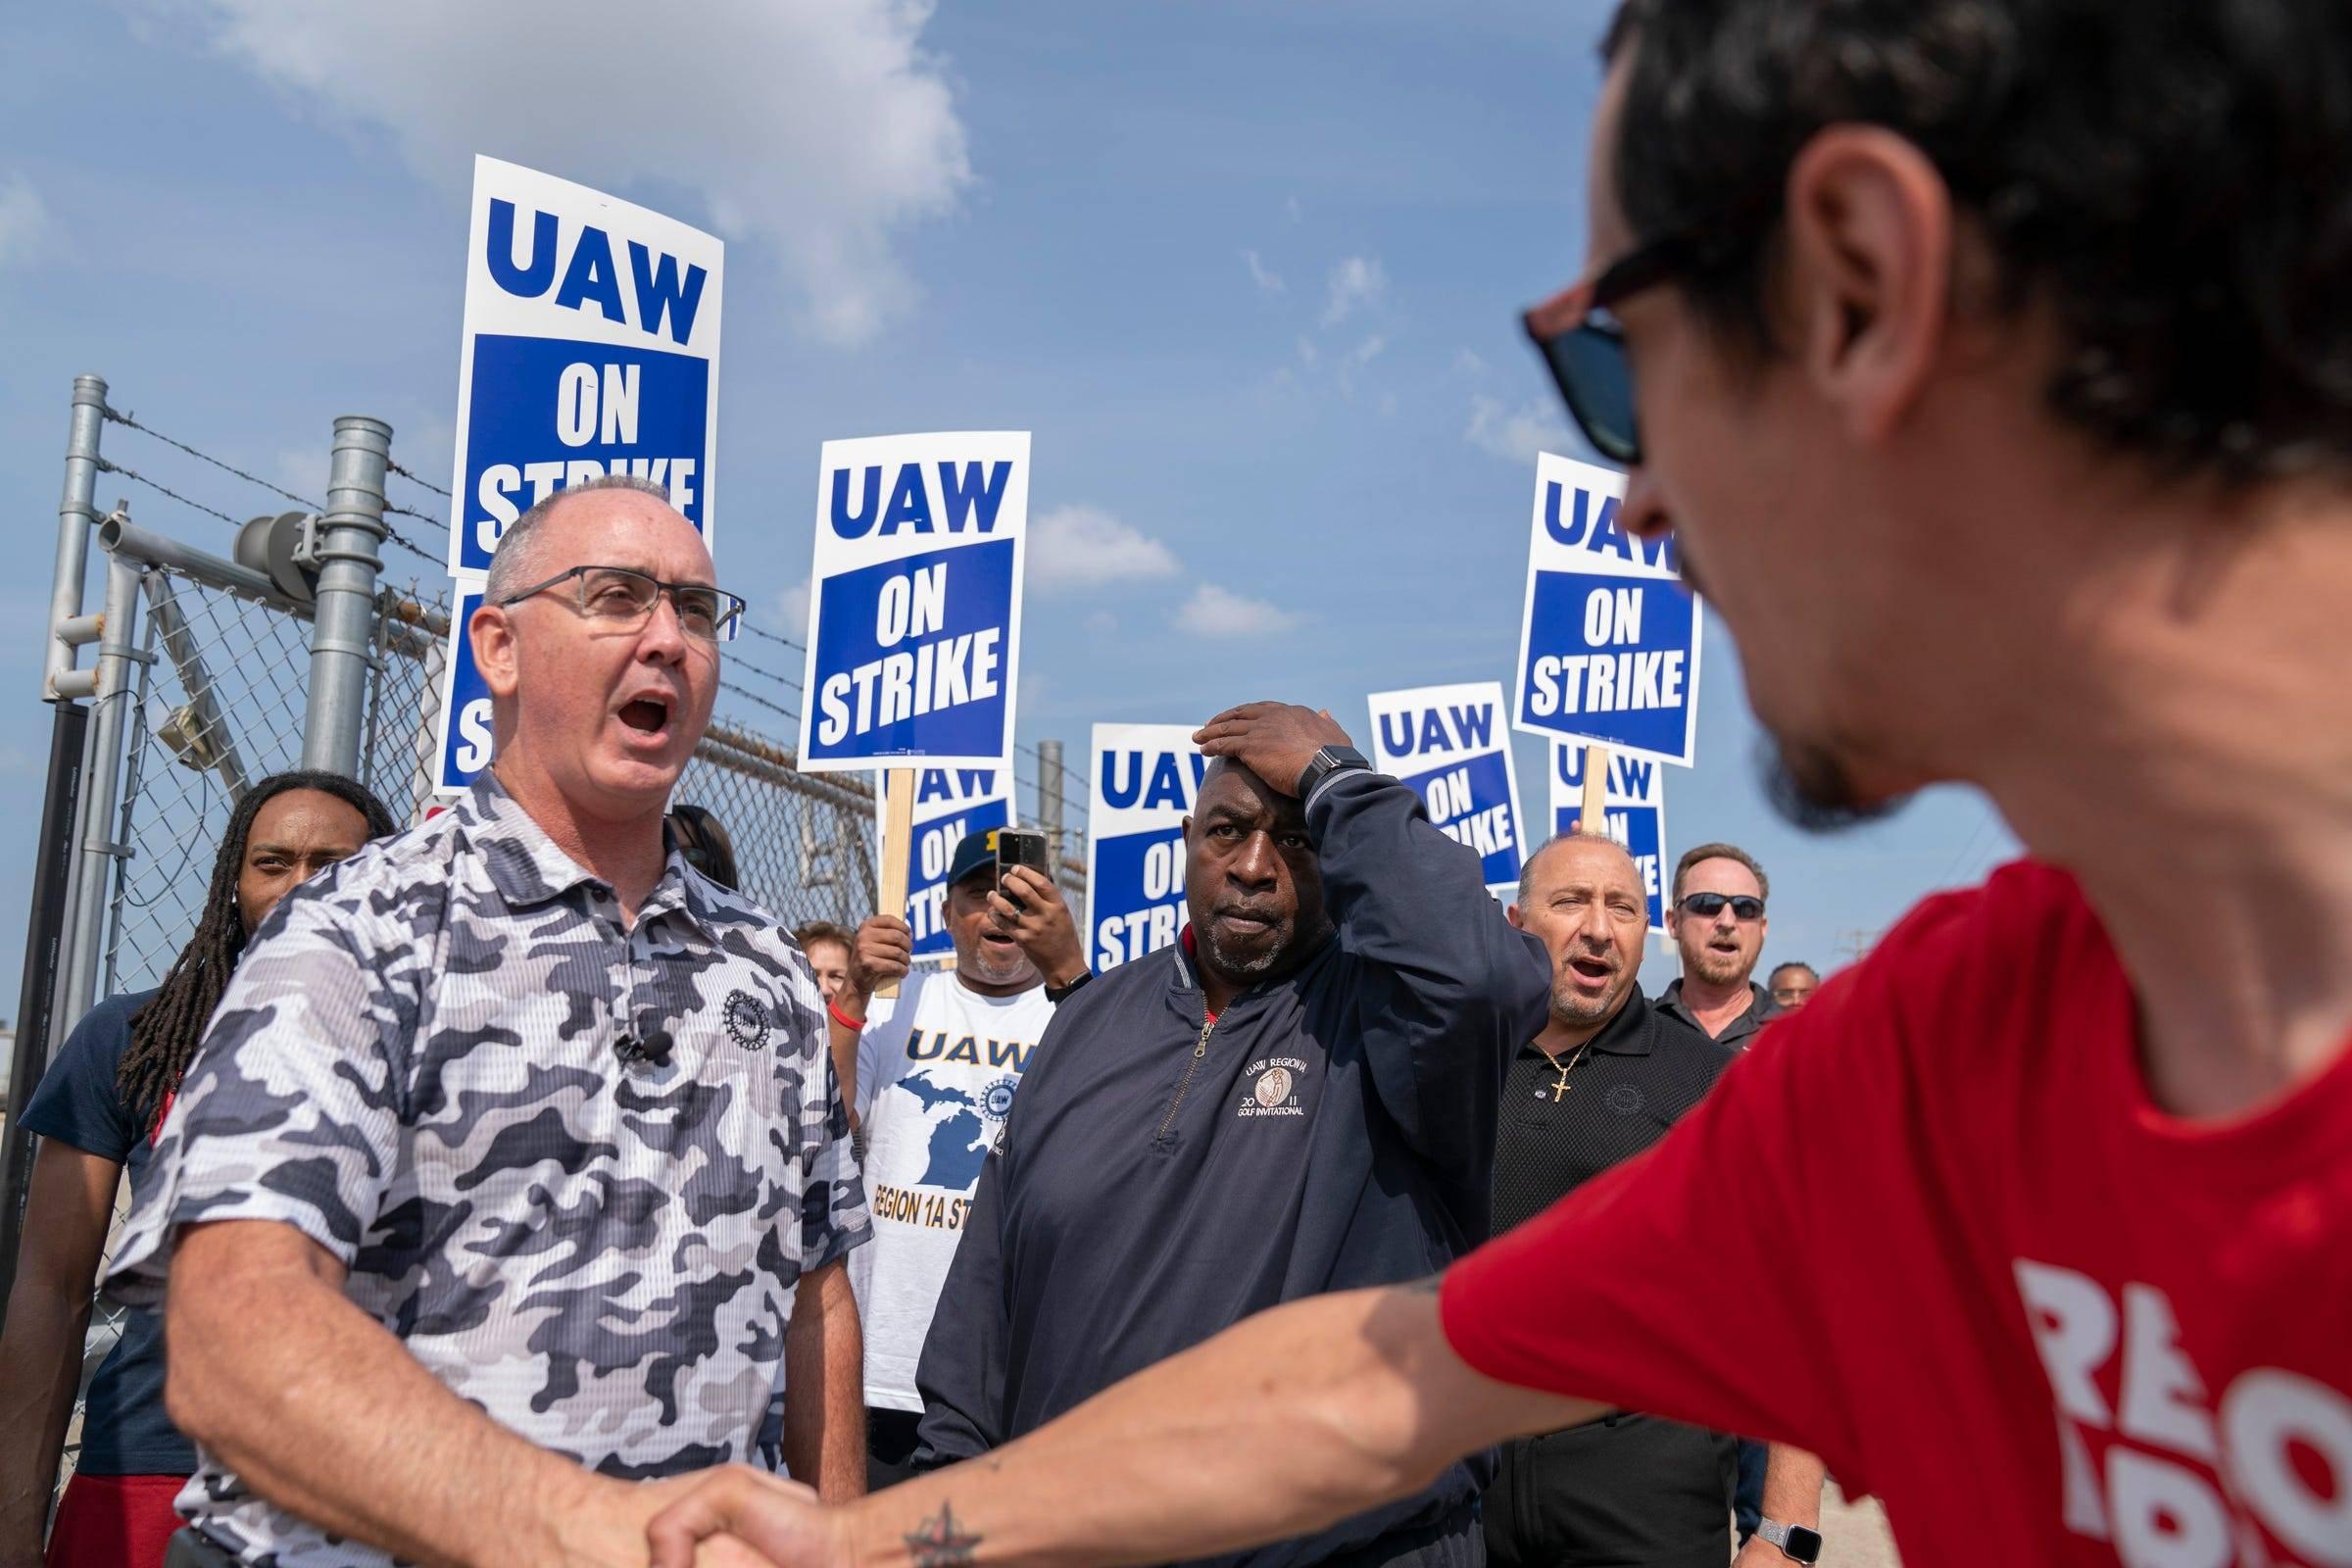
932 1074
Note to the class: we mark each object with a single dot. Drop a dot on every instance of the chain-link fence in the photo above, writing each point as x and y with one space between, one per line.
217 699
219 702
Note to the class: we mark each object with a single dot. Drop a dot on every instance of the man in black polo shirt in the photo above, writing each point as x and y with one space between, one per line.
1604 1081
1717 922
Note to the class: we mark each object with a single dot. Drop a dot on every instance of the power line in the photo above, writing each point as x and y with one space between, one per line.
205 457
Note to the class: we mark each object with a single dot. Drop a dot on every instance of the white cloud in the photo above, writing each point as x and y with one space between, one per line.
1515 434
1101 623
1355 283
1085 547
792 612
1214 612
1308 352
1355 359
1268 283
24 220
1295 212
819 129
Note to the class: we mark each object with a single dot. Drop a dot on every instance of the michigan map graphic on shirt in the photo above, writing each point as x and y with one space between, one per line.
958 1141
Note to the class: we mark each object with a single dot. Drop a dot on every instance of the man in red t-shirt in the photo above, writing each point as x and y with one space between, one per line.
1995 375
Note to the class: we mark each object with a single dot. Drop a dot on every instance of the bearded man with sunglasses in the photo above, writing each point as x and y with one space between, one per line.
1717 922
1996 378
513 1171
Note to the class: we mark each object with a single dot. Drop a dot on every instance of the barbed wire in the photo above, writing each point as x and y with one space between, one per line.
755 696
414 477
1068 772
158 486
121 419
736 661
768 636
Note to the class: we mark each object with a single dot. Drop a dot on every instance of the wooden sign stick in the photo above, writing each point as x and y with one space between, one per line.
1592 817
897 844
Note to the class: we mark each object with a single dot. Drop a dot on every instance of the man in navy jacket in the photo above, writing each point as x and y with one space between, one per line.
1299 1097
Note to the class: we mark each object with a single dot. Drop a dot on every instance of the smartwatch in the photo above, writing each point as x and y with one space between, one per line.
1057 994
1327 761
1796 1543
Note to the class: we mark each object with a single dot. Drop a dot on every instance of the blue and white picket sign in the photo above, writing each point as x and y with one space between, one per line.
948 803
1608 642
591 347
464 699
1633 804
1146 778
1452 745
915 602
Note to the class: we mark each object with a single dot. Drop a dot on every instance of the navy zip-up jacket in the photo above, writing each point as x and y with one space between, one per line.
1161 1178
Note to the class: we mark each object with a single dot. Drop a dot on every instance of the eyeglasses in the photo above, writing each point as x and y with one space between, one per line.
624 600
1708 906
1584 345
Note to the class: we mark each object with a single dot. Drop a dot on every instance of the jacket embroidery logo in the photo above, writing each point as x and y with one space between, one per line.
1274 1088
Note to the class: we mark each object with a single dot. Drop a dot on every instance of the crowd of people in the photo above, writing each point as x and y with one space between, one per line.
527 1101
1987 349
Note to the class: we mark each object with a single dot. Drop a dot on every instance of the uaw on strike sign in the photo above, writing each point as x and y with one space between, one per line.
1633 812
1451 745
915 602
1146 779
1608 643
591 347
948 803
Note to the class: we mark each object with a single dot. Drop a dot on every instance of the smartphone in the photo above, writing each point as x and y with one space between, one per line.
1020 846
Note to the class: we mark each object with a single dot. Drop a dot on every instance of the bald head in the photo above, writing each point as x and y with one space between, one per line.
1598 850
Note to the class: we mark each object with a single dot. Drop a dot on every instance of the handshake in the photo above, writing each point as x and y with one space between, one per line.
739 1517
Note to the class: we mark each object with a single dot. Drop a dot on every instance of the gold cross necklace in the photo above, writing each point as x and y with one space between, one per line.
1564 1069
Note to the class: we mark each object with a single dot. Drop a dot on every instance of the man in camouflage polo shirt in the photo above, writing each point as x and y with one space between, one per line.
514 1171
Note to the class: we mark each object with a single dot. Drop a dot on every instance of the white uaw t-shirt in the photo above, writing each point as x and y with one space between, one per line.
936 1075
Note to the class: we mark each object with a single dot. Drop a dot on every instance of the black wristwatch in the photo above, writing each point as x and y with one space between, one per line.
1327 761
1057 994
1796 1543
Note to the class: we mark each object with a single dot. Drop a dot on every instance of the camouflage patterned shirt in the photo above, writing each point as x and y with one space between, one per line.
415 1066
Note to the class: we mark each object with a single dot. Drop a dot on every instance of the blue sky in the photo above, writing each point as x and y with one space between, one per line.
1249 272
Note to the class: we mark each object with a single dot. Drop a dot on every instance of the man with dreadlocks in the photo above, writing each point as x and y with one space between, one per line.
518 1130
96 1111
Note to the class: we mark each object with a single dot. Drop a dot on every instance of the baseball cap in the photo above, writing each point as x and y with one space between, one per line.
973 851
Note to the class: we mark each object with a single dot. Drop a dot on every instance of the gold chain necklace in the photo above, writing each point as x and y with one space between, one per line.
1562 1088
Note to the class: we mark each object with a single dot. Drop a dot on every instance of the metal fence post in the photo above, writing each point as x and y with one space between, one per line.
96 853
1048 802
77 515
343 633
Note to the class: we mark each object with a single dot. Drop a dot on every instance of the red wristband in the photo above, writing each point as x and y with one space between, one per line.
852 1025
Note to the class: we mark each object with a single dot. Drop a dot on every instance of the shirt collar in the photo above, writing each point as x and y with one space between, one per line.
528 868
1625 1035
1761 1010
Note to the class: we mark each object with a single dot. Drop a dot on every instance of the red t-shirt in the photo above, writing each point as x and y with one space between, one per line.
1932 1229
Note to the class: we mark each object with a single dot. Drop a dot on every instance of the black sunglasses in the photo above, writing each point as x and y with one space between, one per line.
1583 346
1708 906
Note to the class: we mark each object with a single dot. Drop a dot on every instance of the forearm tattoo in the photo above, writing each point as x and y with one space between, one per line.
938 1544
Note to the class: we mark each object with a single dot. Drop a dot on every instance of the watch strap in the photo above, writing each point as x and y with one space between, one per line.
1325 763
1796 1542
1057 994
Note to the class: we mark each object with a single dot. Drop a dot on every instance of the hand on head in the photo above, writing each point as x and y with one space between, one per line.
1273 740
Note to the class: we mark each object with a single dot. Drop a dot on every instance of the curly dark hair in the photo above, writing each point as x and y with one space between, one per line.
166 1028
2173 178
